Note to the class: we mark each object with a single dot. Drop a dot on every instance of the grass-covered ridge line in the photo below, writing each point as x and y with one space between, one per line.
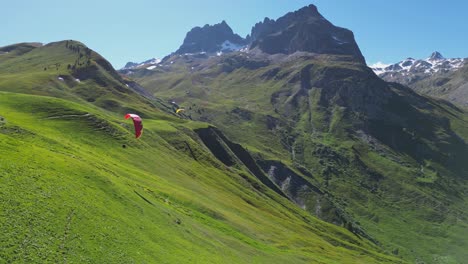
71 193
69 69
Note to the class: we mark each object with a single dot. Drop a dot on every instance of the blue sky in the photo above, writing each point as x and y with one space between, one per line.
137 30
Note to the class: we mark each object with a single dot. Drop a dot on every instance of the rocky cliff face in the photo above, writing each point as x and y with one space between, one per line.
211 38
304 30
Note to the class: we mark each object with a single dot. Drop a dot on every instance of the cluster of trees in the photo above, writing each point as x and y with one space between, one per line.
83 59
84 55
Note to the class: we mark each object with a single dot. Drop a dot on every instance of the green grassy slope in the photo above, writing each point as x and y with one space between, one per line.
70 70
391 161
70 192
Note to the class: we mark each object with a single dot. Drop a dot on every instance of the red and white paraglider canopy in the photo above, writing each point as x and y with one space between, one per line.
137 123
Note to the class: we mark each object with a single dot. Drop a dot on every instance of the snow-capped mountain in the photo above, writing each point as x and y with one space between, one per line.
434 76
411 70
149 64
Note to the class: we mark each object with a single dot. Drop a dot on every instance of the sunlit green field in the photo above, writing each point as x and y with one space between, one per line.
71 193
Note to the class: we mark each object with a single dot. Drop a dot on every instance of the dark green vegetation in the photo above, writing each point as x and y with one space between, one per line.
374 157
76 187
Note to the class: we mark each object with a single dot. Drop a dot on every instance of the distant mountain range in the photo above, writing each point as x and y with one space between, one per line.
412 70
133 65
436 76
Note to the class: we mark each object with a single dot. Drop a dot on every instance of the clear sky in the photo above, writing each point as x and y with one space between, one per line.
137 30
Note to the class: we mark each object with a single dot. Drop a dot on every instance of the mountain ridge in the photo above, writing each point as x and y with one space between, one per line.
434 76
432 64
74 72
304 30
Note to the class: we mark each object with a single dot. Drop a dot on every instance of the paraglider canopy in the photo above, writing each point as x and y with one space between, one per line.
179 110
136 123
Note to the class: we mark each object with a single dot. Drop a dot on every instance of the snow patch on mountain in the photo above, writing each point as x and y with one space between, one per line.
225 47
379 67
154 61
433 64
146 64
338 40
229 46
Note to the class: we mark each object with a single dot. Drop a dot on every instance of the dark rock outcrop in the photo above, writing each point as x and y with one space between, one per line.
304 30
232 154
130 64
218 37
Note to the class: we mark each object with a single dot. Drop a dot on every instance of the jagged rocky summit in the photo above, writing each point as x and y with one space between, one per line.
304 30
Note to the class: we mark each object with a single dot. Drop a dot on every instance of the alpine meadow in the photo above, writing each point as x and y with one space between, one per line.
280 147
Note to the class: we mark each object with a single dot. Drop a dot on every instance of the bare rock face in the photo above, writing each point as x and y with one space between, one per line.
211 38
304 30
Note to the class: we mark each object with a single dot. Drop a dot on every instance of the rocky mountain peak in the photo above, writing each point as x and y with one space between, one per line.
211 38
436 56
130 65
304 30
224 24
308 11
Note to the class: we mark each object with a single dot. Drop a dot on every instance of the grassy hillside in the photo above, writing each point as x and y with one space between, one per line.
69 70
71 192
374 157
